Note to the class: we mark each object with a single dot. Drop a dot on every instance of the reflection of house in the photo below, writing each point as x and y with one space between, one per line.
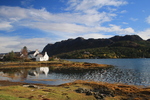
38 56
40 70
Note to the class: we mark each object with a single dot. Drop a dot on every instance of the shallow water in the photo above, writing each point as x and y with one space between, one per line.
127 71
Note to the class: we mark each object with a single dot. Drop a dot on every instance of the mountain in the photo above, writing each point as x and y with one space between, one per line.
115 46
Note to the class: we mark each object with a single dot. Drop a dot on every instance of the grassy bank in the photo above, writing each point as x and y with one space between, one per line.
19 91
60 64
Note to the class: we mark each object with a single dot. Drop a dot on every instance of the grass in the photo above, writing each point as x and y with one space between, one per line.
67 91
60 64
48 93
7 97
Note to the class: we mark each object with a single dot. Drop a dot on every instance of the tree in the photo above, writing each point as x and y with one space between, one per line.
24 52
10 56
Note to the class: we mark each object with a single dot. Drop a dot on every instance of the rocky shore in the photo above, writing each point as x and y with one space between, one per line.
78 90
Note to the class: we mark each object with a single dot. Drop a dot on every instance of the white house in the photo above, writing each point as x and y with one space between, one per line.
38 56
41 57
32 54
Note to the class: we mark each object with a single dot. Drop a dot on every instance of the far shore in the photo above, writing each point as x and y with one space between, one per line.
60 64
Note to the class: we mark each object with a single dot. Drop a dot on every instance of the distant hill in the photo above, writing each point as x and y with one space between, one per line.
128 46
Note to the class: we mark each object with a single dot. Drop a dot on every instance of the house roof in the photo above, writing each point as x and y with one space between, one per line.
31 52
2 55
39 55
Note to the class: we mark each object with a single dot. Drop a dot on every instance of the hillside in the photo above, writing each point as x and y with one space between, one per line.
128 46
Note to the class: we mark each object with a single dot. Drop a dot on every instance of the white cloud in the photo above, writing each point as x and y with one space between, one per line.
35 43
134 19
116 29
74 22
5 26
7 12
16 43
26 3
83 5
145 34
96 36
46 21
124 23
5 42
123 11
148 19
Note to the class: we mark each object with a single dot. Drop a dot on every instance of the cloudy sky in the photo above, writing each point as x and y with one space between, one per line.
35 23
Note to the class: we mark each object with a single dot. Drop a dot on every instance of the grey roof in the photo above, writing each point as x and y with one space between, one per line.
31 52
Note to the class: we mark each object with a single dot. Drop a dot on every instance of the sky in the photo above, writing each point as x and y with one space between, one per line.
35 23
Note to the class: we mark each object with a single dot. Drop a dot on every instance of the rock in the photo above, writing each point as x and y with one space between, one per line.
89 93
31 86
80 90
25 85
99 97
104 90
98 93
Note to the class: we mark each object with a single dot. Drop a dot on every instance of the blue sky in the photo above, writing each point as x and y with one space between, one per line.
35 23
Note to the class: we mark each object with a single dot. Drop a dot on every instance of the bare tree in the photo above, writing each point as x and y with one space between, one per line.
24 52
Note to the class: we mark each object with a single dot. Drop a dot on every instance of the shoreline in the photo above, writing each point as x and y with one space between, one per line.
57 64
77 90
83 90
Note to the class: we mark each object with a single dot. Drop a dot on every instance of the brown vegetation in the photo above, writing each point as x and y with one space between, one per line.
121 91
68 90
56 64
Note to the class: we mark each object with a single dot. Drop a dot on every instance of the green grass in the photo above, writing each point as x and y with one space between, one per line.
67 92
9 97
52 93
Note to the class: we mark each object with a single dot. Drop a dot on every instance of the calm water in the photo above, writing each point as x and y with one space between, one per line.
128 71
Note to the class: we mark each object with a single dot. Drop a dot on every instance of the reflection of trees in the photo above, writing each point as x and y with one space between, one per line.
14 73
22 73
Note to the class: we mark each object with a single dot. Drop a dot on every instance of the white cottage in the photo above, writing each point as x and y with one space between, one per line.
41 57
32 54
38 56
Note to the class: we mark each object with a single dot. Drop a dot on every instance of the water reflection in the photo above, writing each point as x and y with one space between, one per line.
14 74
41 74
22 74
38 71
111 75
